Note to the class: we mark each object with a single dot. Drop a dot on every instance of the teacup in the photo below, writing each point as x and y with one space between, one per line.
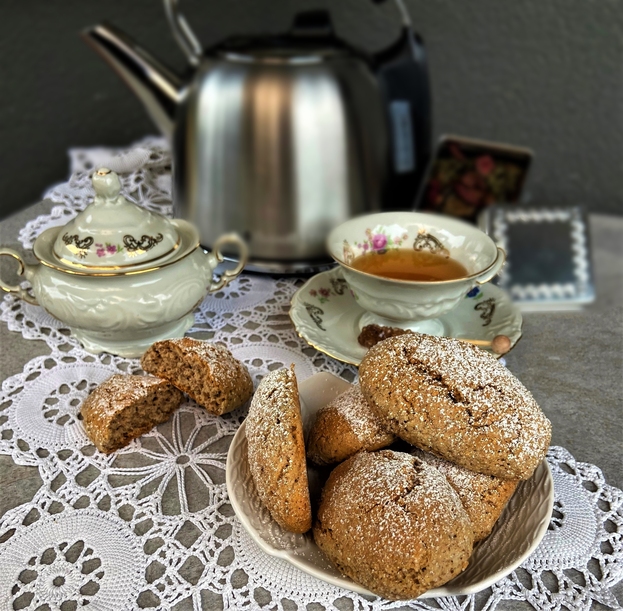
412 304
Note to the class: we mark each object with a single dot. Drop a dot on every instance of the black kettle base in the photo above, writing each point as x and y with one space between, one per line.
283 268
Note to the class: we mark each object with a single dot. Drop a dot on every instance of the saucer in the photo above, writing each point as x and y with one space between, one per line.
326 315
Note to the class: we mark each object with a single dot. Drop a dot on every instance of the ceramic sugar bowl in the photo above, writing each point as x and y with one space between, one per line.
122 277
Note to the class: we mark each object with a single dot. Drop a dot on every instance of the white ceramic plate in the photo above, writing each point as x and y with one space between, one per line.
517 533
326 315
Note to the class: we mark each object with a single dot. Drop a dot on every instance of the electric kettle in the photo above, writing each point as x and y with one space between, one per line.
282 138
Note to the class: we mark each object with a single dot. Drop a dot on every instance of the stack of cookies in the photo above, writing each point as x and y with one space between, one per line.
427 450
127 406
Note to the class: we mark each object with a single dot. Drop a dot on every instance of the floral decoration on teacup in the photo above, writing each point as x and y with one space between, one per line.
380 239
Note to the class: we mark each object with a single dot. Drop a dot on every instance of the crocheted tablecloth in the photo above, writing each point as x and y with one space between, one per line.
151 525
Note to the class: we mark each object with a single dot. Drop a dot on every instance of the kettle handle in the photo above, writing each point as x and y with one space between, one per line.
183 33
402 9
402 73
191 46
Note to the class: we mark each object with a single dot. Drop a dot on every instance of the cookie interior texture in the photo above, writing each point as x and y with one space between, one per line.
206 372
393 524
456 401
125 407
276 450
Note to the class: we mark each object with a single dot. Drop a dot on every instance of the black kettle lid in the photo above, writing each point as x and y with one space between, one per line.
311 34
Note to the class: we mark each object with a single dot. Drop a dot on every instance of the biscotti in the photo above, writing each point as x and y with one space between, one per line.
450 398
483 496
344 427
276 450
207 373
393 524
125 407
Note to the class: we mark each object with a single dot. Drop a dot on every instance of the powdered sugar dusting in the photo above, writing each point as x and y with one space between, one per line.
458 401
276 450
393 523
387 477
270 413
483 496
354 408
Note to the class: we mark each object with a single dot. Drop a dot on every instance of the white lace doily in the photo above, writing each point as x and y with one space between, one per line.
151 526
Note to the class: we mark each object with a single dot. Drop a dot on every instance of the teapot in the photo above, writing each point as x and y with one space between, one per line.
282 138
122 277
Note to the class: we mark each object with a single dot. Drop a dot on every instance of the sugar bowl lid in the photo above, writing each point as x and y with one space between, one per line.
113 233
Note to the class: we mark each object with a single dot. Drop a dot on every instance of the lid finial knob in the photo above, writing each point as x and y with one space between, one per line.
106 184
114 233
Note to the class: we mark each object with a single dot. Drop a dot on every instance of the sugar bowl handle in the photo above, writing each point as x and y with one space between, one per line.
243 256
9 288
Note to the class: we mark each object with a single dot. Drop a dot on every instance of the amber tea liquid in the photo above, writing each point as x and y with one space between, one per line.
407 264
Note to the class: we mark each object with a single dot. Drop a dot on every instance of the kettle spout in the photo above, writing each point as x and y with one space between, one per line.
155 85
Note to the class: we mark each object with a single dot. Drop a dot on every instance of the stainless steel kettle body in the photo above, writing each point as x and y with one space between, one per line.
280 149
282 138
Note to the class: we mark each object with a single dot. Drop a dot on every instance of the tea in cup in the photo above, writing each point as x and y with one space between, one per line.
407 269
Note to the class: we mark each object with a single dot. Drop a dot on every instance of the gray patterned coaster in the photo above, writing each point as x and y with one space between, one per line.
548 256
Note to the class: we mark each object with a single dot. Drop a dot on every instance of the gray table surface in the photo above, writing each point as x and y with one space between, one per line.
571 361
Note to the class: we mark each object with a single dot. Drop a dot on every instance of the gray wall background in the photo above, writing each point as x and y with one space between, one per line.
544 74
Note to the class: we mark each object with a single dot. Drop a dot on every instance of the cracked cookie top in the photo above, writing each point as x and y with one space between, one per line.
393 524
450 398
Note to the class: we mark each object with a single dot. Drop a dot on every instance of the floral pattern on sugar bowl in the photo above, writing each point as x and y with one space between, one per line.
107 249
380 239
80 246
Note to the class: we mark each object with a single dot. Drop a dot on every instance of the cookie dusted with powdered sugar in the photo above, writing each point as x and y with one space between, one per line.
274 431
344 427
450 398
393 524
125 407
207 373
483 496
